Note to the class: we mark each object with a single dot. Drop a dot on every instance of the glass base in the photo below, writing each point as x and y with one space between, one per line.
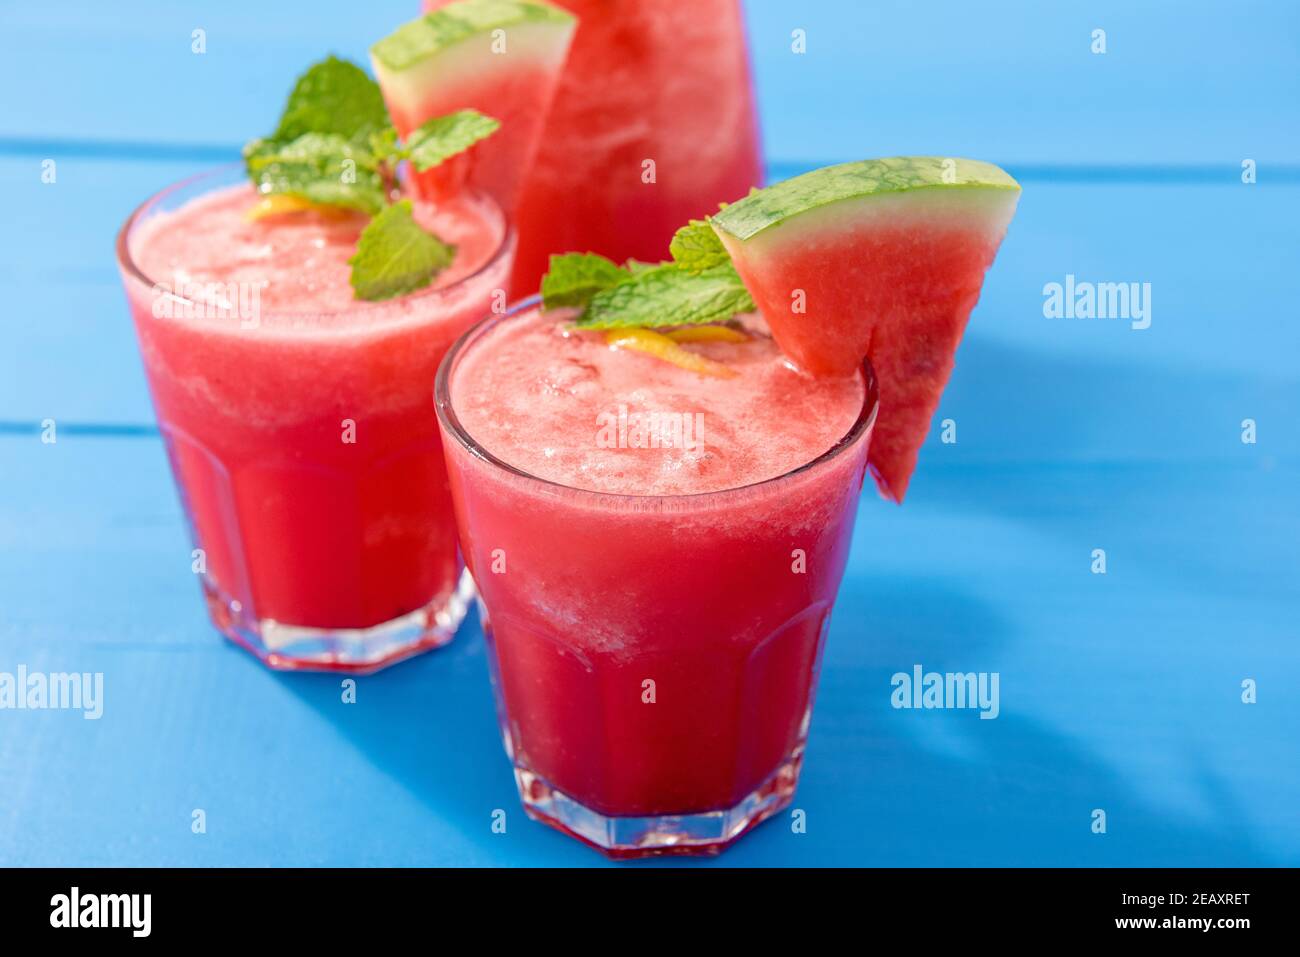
629 838
356 650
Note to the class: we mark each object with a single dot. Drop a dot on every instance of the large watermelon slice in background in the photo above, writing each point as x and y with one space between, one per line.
500 57
886 259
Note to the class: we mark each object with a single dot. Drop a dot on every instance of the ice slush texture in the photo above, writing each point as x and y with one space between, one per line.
536 393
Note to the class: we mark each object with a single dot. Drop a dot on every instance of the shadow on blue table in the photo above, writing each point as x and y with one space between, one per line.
1003 792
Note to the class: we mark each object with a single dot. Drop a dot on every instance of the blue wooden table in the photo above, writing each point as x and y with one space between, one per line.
1120 692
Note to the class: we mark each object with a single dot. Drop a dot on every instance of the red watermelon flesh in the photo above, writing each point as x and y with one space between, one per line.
500 57
883 259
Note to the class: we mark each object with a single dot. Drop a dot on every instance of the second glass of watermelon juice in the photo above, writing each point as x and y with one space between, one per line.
656 612
296 417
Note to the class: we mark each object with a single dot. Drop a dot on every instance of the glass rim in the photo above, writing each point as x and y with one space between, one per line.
453 426
132 269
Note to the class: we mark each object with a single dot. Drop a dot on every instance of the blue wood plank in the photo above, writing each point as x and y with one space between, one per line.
104 75
1017 81
1201 81
70 351
1118 691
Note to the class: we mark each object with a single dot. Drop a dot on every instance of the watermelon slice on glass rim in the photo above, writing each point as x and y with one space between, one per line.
880 258
501 57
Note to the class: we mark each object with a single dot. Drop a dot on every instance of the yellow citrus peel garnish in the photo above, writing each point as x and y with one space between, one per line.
278 204
707 334
661 347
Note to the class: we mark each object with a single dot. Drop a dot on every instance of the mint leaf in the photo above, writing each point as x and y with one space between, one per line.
333 96
696 247
574 278
669 295
321 167
395 255
444 136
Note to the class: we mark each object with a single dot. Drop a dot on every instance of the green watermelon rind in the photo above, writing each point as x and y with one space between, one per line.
783 201
413 43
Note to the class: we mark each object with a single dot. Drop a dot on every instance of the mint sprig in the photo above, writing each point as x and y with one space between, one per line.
698 286
335 146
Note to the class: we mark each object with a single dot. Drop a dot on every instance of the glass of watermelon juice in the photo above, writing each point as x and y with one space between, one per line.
655 608
296 417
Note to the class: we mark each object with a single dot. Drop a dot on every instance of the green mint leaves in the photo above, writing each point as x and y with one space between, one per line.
434 141
322 149
696 247
333 96
699 285
324 168
669 296
444 136
395 255
574 278
334 146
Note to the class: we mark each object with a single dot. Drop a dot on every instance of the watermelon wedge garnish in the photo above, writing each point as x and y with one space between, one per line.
881 258
501 57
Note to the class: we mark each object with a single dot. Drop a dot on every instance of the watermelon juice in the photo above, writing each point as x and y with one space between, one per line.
656 553
665 81
297 418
